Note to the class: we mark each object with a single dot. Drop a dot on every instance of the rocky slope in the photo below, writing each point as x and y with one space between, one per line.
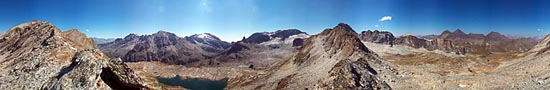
542 47
333 59
263 49
165 47
37 55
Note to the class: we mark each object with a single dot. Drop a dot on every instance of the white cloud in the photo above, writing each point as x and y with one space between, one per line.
385 18
87 30
376 25
540 30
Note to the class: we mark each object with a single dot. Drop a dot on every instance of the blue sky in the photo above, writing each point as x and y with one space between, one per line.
232 19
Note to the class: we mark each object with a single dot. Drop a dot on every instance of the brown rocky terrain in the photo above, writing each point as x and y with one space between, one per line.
333 59
37 55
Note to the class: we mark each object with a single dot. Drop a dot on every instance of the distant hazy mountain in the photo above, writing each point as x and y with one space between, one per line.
37 55
427 36
333 59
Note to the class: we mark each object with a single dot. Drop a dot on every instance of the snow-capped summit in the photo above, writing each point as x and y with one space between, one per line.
208 40
205 36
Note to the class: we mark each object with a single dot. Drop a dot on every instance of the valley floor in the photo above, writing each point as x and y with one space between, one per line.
428 70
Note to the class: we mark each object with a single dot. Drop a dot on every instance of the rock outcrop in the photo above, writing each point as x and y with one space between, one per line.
333 59
37 55
166 47
381 37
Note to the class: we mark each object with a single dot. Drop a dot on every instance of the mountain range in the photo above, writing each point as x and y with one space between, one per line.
457 42
37 55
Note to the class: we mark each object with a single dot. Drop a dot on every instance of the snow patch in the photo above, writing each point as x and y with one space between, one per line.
202 36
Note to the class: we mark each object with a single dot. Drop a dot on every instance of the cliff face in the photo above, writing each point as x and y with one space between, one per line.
37 55
333 59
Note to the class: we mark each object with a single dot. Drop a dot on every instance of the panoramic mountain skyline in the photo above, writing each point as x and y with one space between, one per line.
231 20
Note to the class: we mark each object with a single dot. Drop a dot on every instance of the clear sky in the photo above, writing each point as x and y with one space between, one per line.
232 19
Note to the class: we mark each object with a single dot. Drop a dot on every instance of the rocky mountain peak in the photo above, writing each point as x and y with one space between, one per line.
165 47
43 34
342 27
368 31
37 55
80 39
446 32
333 59
208 39
340 39
459 32
131 36
383 37
496 36
204 36
162 33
